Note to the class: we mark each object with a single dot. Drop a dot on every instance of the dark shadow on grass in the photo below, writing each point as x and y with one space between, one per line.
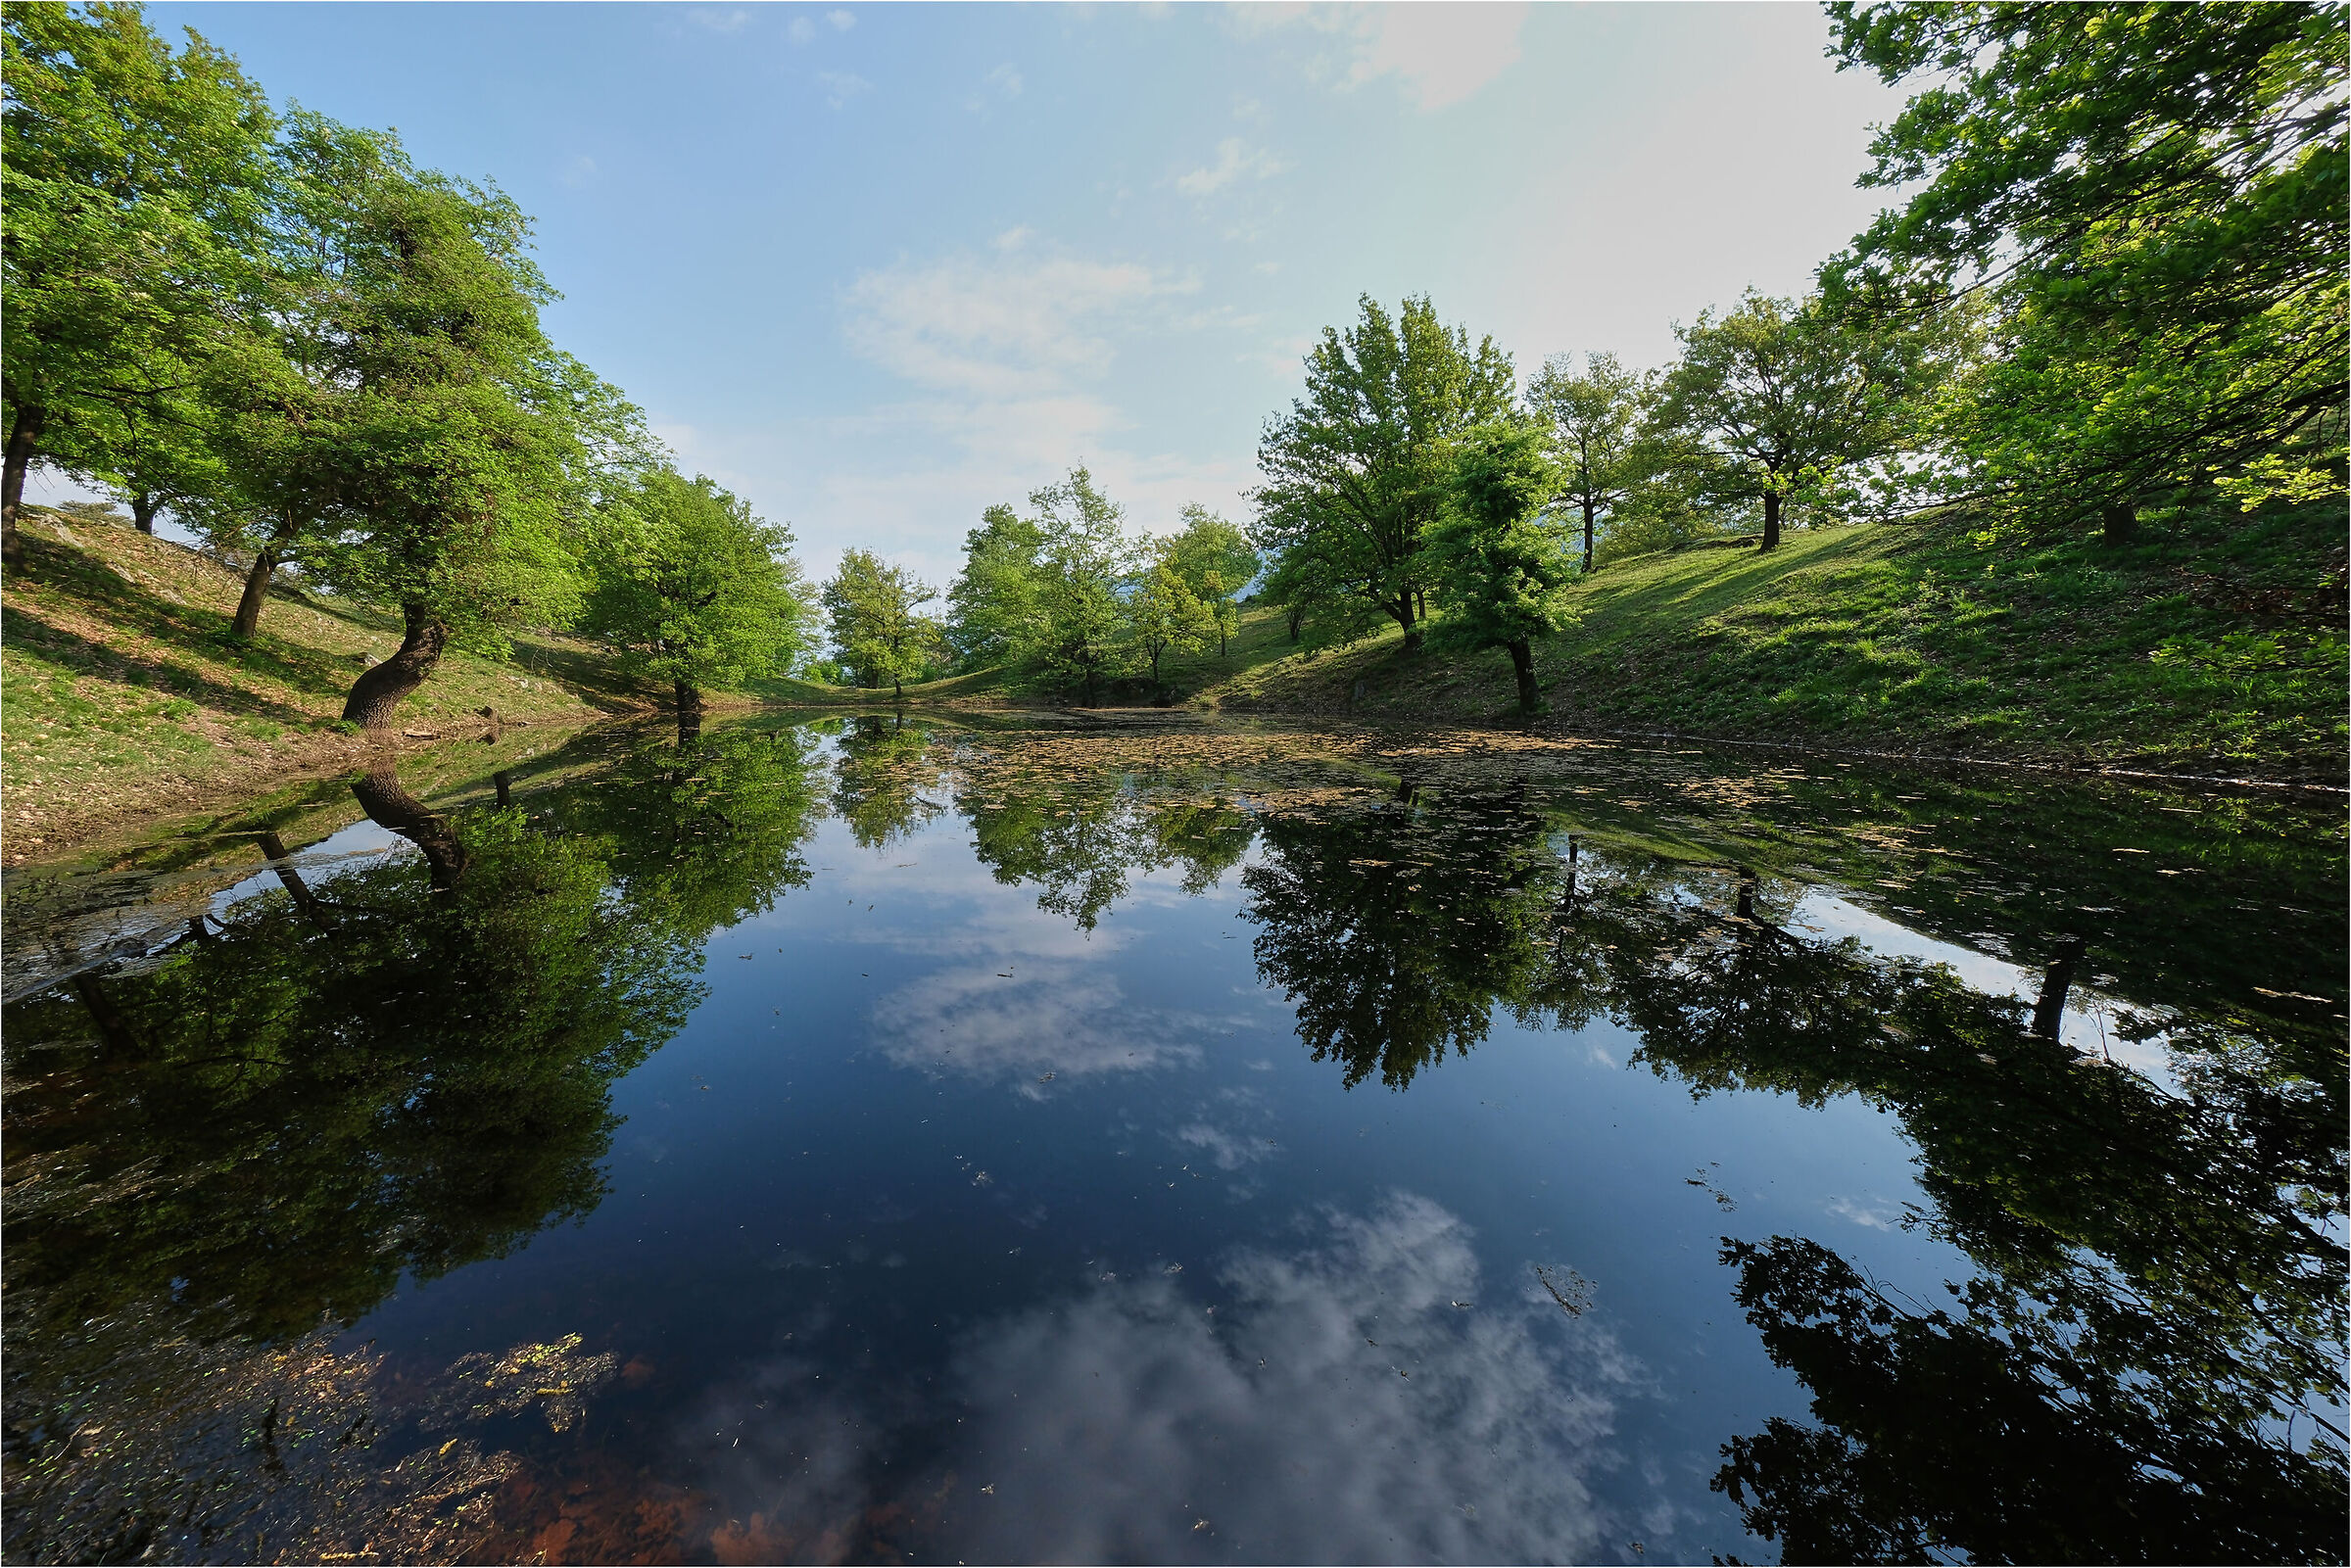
97 590
32 635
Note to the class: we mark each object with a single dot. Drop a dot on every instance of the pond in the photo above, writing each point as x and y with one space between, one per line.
876 1138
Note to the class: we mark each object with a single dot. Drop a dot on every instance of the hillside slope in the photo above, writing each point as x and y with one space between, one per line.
2215 648
122 694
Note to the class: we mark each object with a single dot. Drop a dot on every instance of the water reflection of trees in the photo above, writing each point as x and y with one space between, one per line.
882 776
2154 1332
403 1067
1078 840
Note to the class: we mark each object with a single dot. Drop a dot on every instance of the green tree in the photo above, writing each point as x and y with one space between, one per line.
873 609
134 182
1502 573
692 588
1355 471
2150 199
1779 400
453 452
1216 563
1164 613
992 608
1595 419
1079 637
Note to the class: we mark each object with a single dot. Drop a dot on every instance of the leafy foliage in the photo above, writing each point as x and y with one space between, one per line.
692 588
1502 573
1355 472
2152 199
872 609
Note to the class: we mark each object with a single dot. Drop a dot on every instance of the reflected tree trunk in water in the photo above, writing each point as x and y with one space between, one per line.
281 861
690 725
113 1026
2050 1011
389 805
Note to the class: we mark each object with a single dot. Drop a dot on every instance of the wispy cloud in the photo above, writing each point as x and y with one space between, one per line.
1001 85
579 172
1234 160
719 19
841 86
1439 54
1014 324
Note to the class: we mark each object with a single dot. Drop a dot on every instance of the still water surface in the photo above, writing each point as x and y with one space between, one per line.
873 1139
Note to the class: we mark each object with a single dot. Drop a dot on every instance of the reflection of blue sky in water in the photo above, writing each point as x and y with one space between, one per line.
1370 1395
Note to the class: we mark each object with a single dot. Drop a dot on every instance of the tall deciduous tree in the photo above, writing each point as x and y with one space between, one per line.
134 178
2152 199
874 608
456 463
1502 573
992 607
1780 400
1216 563
1079 638
1355 471
1164 614
1595 418
693 588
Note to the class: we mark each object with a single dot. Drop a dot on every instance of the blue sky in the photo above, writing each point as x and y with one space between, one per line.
876 267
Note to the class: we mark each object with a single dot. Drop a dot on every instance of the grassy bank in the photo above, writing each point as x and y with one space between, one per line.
122 697
2214 646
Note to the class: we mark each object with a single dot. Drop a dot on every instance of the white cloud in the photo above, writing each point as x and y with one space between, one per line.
1234 159
717 20
1441 53
842 21
800 29
841 86
1015 325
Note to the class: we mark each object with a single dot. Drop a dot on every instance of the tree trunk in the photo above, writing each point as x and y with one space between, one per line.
257 592
2050 1011
1297 622
112 1027
2120 522
380 689
897 689
20 437
388 805
689 696
1590 511
273 849
1771 520
504 781
1155 669
1522 664
1401 610
144 504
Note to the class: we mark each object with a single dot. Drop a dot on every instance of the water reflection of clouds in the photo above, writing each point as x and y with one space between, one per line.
1367 1398
1050 1016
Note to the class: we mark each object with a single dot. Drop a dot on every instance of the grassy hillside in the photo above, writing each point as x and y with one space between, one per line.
2215 646
122 694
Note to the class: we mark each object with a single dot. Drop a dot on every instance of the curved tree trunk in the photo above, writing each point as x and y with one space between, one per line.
20 437
389 805
1771 520
281 861
1522 665
257 591
2049 1010
380 689
144 504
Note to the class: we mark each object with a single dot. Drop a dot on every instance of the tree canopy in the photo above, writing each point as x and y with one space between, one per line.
1356 471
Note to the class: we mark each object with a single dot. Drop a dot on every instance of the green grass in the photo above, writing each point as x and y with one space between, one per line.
2215 645
120 690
